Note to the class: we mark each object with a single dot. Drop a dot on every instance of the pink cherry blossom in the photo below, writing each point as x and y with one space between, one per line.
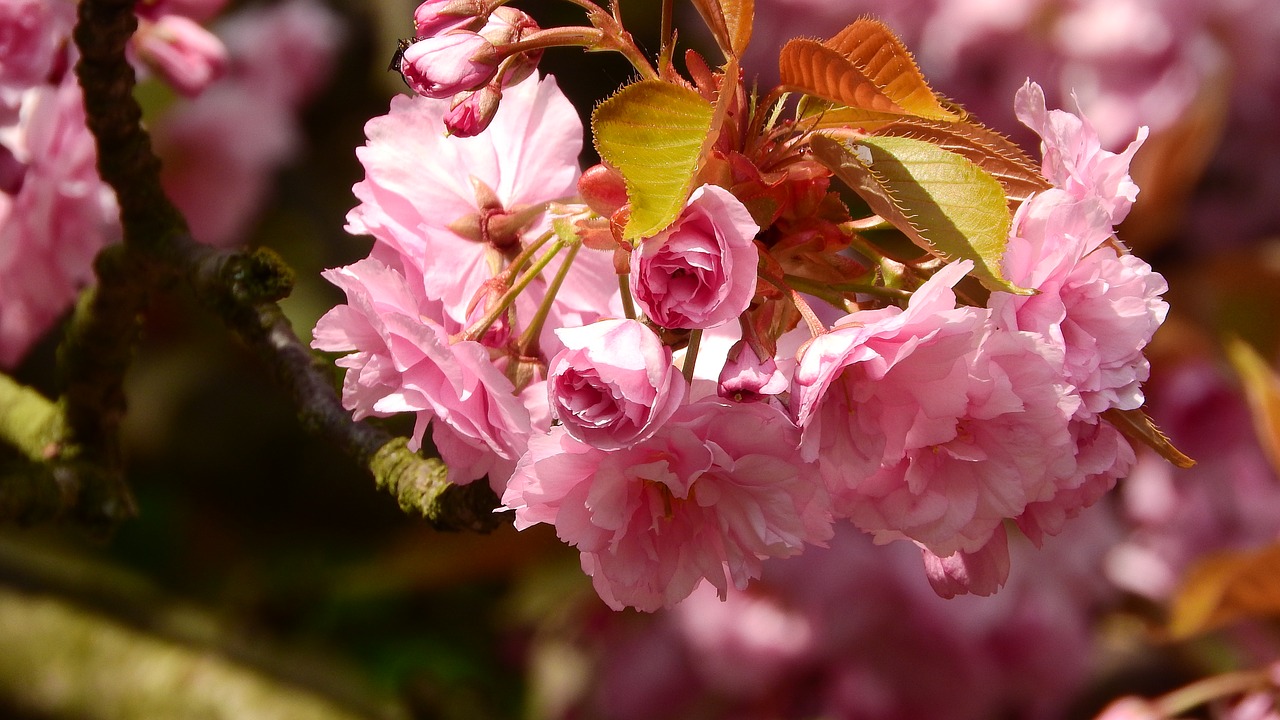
718 489
32 51
54 218
746 378
981 572
613 385
400 361
178 49
1073 156
1100 306
930 425
701 271
441 66
420 186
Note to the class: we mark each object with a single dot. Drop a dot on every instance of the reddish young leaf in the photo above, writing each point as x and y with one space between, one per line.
1224 587
1135 425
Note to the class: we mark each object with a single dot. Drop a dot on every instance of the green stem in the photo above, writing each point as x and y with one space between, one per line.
817 289
529 339
1212 688
481 326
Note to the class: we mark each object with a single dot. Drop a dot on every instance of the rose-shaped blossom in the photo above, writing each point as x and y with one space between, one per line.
930 425
701 271
400 361
613 385
718 489
442 66
178 49
421 186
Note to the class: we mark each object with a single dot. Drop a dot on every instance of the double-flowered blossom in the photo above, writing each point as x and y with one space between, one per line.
916 407
717 490
400 361
701 271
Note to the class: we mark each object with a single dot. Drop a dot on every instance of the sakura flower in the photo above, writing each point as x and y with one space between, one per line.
701 271
400 361
718 489
178 49
981 572
929 425
1101 307
441 66
613 385
1073 156
32 40
55 214
438 203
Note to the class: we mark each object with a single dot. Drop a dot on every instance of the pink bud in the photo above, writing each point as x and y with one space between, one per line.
472 112
183 53
437 17
603 189
443 66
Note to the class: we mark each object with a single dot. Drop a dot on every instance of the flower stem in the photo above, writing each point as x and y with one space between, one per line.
691 355
481 326
1200 692
529 339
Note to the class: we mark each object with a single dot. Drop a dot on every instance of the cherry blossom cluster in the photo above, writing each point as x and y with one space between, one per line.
675 406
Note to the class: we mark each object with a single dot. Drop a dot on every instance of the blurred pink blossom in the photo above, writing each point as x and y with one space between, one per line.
218 174
701 271
181 51
55 214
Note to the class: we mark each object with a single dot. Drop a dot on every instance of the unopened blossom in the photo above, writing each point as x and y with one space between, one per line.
400 361
746 377
717 490
471 112
437 17
701 271
613 384
426 198
930 425
55 214
441 66
181 51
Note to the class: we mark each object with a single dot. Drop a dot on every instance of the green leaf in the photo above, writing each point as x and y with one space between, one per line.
653 132
942 201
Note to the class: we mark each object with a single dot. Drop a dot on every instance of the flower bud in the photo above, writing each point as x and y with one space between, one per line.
472 112
443 66
437 17
603 189
182 52
508 25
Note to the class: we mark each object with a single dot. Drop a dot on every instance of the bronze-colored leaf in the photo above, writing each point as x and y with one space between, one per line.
815 69
730 22
1224 587
982 146
881 57
1135 425
1262 388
